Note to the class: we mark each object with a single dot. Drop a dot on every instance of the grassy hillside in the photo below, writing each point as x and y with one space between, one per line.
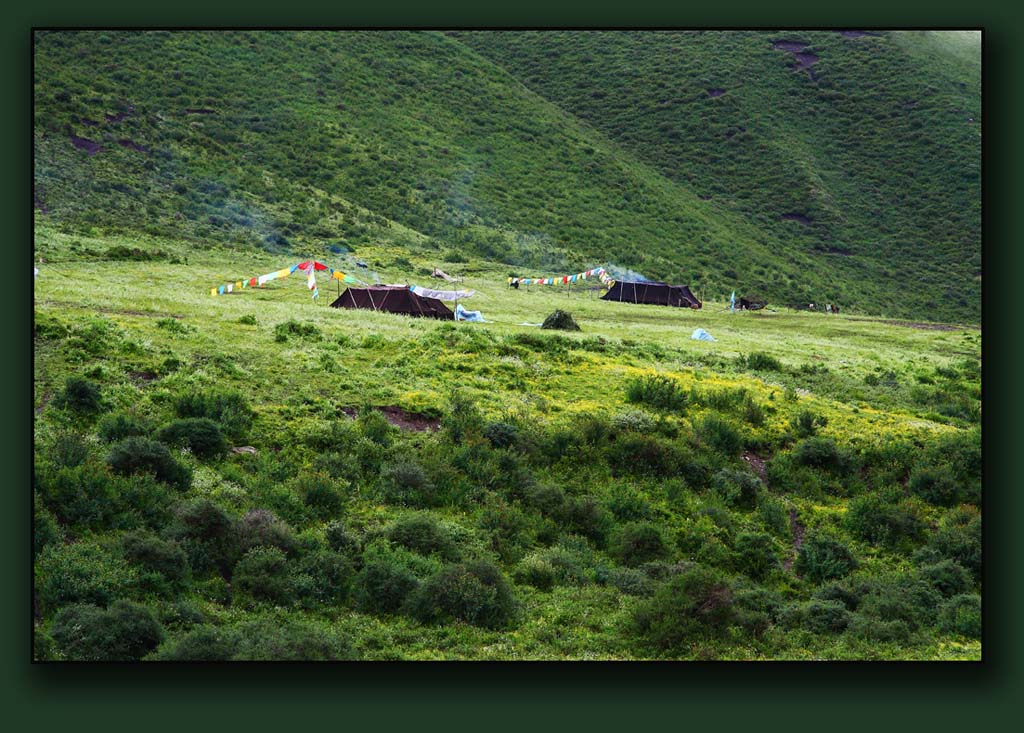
814 479
259 476
869 152
469 146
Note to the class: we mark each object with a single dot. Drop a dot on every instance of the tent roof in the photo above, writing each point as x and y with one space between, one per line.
393 299
652 293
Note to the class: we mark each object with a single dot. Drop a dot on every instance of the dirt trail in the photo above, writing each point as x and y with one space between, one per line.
757 463
798 529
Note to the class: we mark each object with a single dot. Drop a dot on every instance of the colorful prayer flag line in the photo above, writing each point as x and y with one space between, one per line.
598 272
309 268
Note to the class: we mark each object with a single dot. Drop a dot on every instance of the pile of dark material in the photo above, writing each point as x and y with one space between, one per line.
561 321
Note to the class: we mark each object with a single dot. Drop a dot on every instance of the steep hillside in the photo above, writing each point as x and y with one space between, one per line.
304 141
845 143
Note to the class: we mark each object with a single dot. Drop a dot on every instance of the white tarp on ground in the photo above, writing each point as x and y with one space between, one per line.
699 334
442 294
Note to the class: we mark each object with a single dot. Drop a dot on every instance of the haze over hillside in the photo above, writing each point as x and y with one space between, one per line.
819 166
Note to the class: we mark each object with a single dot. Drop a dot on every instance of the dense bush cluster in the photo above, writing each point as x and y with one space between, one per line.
472 524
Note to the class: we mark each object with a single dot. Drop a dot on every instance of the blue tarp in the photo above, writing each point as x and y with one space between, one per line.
699 334
461 314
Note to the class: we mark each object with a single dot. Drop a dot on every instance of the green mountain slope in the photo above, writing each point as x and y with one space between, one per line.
873 148
537 150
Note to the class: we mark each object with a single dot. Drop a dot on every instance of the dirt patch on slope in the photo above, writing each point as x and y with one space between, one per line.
790 46
757 463
805 60
142 377
402 418
83 143
132 145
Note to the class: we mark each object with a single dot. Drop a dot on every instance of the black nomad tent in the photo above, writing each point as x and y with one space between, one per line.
652 293
393 299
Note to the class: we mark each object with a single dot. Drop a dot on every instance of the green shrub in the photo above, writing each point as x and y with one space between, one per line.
720 434
805 423
879 630
463 419
209 536
124 632
203 644
83 496
476 593
560 320
959 538
935 485
630 581
164 562
375 427
383 587
323 577
535 571
822 557
321 494
961 614
263 575
80 572
646 455
873 518
119 426
756 554
341 539
657 391
404 481
762 362
739 489
276 639
946 577
822 453
633 420
424 534
141 455
291 327
248 320
200 435
228 409
67 450
774 515
508 528
825 617
840 593
695 605
627 505
913 604
502 434
262 528
585 516
640 542
80 396
572 561
46 530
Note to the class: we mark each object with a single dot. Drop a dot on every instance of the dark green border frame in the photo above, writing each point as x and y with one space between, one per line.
488 695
